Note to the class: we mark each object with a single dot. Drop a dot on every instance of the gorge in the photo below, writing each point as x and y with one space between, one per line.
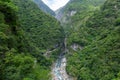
83 43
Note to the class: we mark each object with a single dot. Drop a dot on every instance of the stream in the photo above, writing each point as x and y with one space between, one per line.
59 69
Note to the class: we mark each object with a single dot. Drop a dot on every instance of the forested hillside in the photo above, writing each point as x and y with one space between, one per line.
77 7
34 45
16 63
44 7
100 41
26 33
84 10
74 14
42 30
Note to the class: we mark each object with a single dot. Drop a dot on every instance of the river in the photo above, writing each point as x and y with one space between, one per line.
59 69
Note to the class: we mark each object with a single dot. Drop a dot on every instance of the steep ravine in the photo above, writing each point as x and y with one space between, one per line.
59 67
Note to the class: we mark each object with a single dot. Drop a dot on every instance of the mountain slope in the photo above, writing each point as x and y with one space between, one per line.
72 17
43 30
99 58
74 14
77 6
25 35
44 7
16 61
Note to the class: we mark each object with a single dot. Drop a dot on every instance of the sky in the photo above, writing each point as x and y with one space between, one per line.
55 4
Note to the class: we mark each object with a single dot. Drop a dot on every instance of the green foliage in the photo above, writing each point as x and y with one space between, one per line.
17 54
43 32
117 22
72 22
99 59
40 73
42 29
22 67
17 66
44 7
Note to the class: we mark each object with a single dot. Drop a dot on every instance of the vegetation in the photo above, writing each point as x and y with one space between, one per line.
43 30
79 7
30 40
74 15
21 47
43 7
99 59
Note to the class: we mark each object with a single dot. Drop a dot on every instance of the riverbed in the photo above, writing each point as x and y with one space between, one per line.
59 69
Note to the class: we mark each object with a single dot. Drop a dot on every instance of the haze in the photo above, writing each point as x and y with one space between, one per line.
55 4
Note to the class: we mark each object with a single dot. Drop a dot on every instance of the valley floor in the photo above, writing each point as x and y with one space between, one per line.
59 69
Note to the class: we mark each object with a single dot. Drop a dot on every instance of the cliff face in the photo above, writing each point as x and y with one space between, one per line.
44 7
76 6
